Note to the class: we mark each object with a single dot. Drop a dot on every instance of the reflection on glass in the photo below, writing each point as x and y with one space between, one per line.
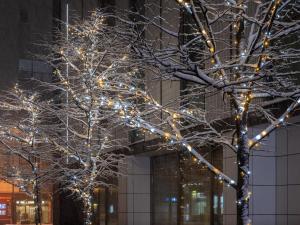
98 206
196 191
112 201
105 206
185 192
165 189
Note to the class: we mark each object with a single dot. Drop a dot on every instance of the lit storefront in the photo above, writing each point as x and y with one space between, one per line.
24 210
18 208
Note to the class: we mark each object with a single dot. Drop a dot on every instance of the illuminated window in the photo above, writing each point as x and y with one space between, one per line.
25 211
2 209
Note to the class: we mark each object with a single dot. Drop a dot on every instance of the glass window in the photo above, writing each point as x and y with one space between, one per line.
196 192
99 206
165 189
5 209
185 192
105 206
112 207
186 34
25 211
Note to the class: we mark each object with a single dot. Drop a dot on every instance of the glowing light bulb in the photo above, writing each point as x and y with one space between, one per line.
167 135
100 82
250 143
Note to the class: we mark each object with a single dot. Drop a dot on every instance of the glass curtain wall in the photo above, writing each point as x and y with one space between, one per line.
185 192
165 189
25 211
195 191
105 206
188 31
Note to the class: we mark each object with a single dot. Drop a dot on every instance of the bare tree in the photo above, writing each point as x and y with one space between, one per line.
101 84
246 56
23 142
83 135
243 52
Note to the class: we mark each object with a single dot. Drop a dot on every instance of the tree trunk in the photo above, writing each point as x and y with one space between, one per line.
88 208
243 194
37 203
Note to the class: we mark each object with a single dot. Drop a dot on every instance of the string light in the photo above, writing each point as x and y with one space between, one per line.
245 98
266 43
131 112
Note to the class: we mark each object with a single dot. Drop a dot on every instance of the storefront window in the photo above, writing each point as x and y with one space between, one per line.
16 207
25 212
3 209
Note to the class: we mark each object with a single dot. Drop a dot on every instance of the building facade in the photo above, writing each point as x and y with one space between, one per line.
169 188
161 187
164 187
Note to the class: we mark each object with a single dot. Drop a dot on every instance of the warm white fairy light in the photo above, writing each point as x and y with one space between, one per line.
21 141
130 115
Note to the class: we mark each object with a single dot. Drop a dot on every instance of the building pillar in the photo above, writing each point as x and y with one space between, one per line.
134 192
